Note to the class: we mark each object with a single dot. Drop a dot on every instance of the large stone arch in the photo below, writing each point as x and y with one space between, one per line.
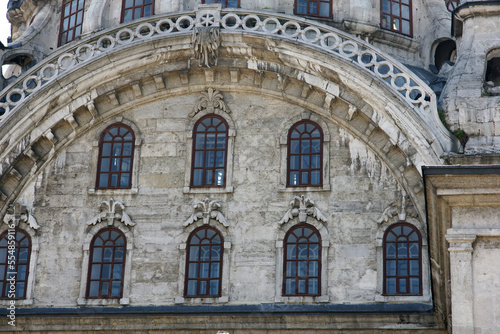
143 71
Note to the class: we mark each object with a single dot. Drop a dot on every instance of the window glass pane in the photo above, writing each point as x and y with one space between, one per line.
219 177
414 267
208 177
402 250
302 251
214 270
402 268
313 286
106 271
395 24
210 141
395 9
302 268
302 286
23 255
324 9
406 27
204 270
209 159
80 4
21 272
95 271
108 254
386 21
197 177
194 253
126 162
137 13
390 285
191 290
305 146
125 180
402 285
294 178
216 253
414 250
315 177
294 162
414 285
405 12
114 180
193 270
316 146
214 287
97 255
313 8
290 252
116 288
232 3
313 268
94 289
305 162
20 289
291 269
148 10
305 178
220 159
105 289
294 146
390 268
313 252
117 271
203 287
119 253
205 252
290 286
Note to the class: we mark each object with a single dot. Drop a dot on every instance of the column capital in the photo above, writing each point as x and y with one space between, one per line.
460 242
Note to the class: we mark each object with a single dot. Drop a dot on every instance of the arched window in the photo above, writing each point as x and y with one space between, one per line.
15 253
305 155
116 153
106 265
71 20
302 262
204 263
209 152
321 8
135 9
402 260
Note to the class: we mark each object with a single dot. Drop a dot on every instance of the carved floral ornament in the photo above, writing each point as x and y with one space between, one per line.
210 100
402 207
17 213
302 207
110 211
206 210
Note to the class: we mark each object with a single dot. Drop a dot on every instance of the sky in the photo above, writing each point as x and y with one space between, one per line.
4 24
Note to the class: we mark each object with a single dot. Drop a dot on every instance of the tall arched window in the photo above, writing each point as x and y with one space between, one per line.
71 20
204 263
402 260
116 154
209 152
106 265
15 253
305 155
135 9
302 262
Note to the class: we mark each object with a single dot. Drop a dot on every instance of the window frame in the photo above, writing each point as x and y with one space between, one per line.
112 263
400 4
194 151
297 277
318 2
397 259
71 28
197 278
3 280
300 170
222 2
100 157
142 6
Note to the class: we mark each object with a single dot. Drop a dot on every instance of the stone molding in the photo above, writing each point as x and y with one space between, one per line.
111 211
460 242
302 207
18 213
207 209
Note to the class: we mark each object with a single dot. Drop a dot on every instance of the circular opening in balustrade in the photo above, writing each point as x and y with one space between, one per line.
230 21
105 42
184 23
165 26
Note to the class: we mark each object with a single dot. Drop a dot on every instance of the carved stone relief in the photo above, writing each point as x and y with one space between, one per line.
110 211
207 209
302 207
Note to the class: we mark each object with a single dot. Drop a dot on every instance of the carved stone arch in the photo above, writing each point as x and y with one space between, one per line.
425 263
210 102
284 227
91 231
283 142
215 219
98 130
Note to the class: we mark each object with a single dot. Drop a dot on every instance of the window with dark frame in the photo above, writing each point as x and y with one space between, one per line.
396 15
302 262
320 8
305 155
14 262
209 152
135 9
71 20
116 155
107 264
402 260
204 263
224 3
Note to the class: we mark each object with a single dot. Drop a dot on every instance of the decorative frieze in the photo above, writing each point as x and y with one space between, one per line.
110 211
302 207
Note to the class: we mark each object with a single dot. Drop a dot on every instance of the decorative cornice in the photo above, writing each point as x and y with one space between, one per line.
110 211
207 209
302 207
461 242
210 100
18 213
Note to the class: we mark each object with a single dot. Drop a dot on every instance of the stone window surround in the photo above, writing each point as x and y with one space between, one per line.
32 268
325 244
231 134
95 159
426 296
224 298
306 115
127 271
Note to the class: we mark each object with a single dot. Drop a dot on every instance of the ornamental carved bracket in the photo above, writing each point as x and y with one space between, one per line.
17 213
402 207
206 42
206 210
302 207
110 211
210 100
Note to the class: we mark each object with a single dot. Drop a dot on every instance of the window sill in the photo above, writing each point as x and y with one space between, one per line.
217 300
102 302
302 300
403 298
19 302
107 192
226 190
283 189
